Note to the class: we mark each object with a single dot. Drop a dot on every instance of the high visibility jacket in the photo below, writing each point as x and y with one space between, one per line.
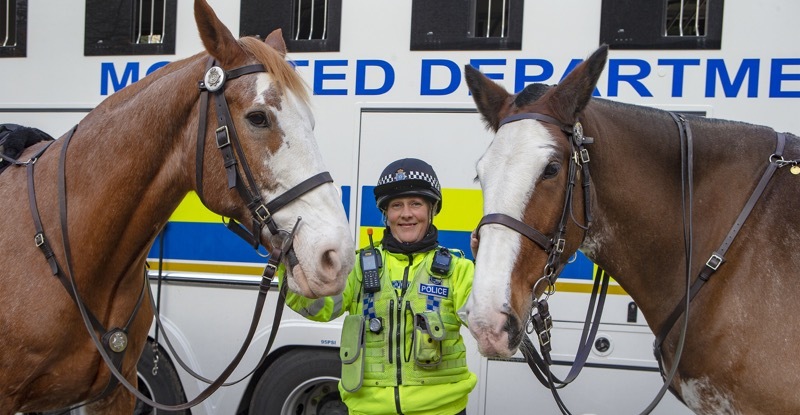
409 366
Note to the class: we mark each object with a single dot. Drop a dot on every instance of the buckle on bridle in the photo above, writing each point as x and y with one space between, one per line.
223 138
39 239
262 213
714 262
559 245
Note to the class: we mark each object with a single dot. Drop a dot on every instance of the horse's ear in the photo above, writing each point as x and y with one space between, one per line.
573 93
217 39
275 40
489 96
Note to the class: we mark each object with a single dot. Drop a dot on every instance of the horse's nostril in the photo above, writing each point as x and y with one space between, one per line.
328 259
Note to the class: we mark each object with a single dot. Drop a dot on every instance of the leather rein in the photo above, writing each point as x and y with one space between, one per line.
540 319
114 342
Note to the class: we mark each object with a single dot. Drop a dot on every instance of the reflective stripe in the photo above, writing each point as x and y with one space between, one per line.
319 304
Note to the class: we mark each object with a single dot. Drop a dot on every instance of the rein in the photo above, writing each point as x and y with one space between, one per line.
228 142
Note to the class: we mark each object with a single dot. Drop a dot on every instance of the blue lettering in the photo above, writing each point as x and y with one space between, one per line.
731 88
614 76
521 77
301 62
361 75
678 66
320 76
108 73
477 63
425 87
777 76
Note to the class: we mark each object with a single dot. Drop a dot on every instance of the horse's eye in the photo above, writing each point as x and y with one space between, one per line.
259 119
551 170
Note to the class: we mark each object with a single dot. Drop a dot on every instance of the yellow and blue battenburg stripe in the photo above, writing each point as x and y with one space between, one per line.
196 240
462 209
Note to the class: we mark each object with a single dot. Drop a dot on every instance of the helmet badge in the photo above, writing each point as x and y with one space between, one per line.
400 175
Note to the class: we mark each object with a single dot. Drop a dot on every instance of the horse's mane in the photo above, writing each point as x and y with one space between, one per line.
530 94
283 73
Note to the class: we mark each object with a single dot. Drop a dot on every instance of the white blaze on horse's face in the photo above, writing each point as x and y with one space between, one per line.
517 156
323 227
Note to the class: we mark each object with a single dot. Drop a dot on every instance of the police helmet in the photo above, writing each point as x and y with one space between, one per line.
408 177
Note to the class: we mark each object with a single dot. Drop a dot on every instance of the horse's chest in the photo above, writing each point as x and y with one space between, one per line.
703 397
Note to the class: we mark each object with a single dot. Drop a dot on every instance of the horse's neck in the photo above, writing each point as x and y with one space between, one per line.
638 231
127 162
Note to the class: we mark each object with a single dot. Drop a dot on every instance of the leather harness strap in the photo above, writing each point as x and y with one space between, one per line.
718 257
41 241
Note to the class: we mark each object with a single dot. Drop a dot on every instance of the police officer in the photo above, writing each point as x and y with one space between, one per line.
401 348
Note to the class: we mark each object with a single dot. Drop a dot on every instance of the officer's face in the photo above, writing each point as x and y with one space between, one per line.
408 218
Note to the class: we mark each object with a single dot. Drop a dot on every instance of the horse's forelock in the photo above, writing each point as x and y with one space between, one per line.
530 94
280 70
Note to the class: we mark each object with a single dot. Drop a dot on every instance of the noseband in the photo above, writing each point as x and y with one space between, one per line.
229 145
553 244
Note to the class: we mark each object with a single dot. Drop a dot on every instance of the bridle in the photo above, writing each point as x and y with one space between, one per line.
228 143
540 319
553 244
114 342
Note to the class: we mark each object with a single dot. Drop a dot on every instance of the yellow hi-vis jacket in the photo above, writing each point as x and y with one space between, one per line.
409 367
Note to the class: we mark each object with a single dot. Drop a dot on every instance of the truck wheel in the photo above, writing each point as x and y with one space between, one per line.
301 382
164 387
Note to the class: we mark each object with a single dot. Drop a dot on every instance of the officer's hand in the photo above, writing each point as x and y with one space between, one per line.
473 243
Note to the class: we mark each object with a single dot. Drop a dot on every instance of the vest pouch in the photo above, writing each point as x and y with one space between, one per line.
350 352
428 336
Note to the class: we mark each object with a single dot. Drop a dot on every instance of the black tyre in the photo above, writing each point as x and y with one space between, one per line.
164 387
301 382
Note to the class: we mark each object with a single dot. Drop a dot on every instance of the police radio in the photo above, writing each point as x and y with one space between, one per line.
441 261
370 266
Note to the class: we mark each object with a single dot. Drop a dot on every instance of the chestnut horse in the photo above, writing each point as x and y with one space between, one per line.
126 167
741 353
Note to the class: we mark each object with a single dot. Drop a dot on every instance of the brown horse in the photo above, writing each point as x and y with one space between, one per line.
127 166
741 347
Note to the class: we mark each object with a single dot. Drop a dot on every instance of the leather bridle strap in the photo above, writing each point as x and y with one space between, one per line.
718 257
202 110
535 236
90 320
228 143
277 203
591 324
272 335
538 117
273 331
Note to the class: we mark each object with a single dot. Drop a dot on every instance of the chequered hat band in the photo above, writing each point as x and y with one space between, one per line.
409 175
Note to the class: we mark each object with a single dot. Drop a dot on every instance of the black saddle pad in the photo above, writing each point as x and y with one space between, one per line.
15 138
